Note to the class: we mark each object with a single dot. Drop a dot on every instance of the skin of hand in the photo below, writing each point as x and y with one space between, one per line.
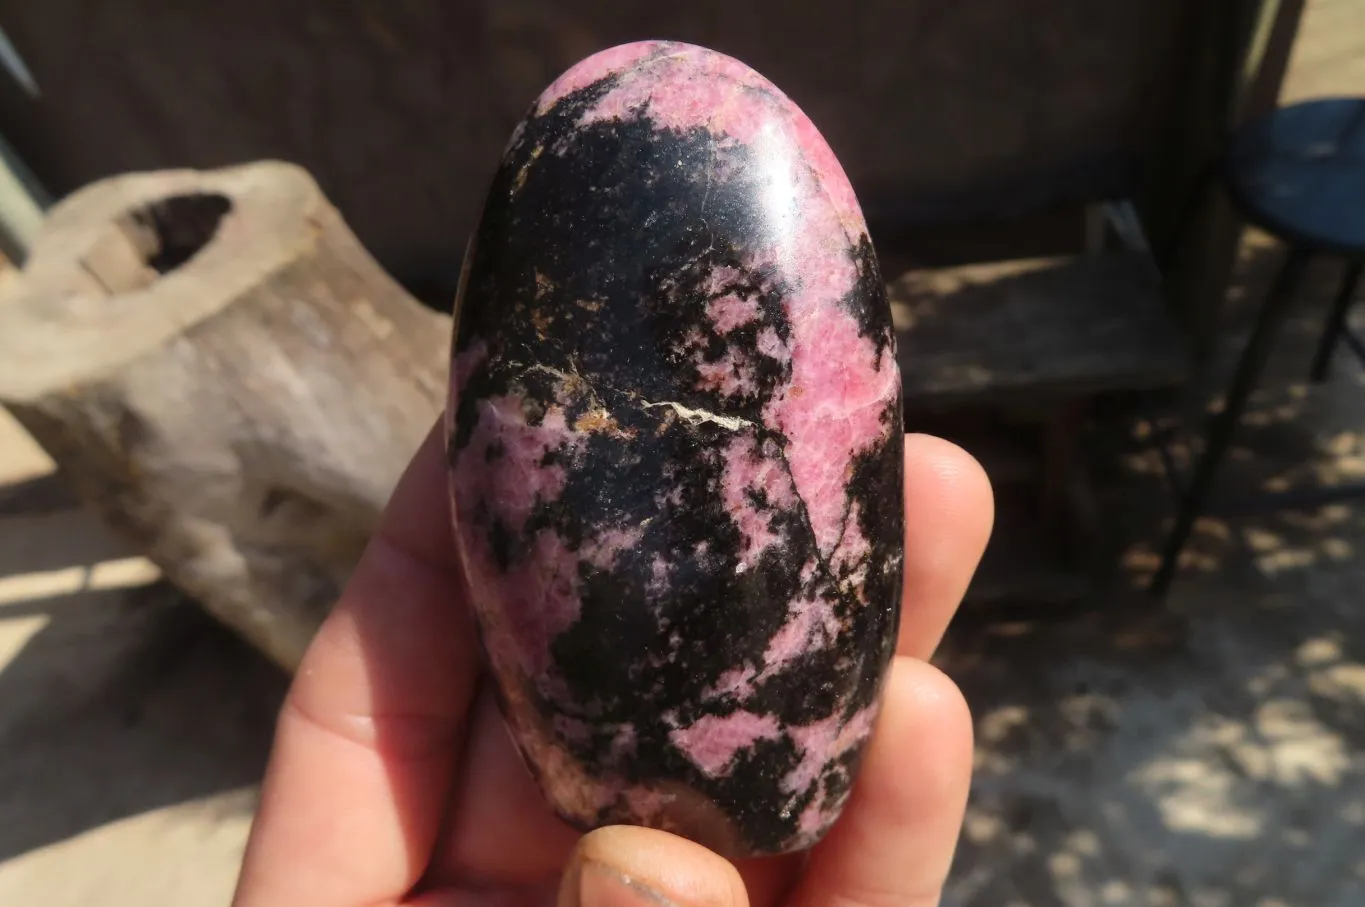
393 781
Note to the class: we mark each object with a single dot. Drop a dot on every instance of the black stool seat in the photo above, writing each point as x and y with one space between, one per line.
1299 173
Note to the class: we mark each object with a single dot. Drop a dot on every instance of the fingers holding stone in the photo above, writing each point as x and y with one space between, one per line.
353 796
949 513
894 844
622 866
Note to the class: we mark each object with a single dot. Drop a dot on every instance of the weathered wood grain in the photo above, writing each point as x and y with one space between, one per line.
220 370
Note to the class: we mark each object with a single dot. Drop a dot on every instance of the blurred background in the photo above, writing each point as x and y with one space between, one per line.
1073 291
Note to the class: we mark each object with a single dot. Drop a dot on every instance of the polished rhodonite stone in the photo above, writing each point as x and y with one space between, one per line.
676 453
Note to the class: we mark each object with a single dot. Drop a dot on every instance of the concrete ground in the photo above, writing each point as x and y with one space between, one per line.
1210 755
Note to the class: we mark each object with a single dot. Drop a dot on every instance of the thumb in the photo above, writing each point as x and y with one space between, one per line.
624 866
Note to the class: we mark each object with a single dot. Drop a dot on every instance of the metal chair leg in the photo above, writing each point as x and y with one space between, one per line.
1249 368
1336 323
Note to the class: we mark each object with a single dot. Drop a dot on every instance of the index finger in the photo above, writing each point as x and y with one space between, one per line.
369 734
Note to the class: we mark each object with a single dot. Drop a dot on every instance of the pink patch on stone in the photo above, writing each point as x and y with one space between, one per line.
658 574
771 345
823 742
731 311
647 803
811 625
464 366
623 743
850 558
737 682
719 279
693 339
731 375
711 742
603 550
735 373
746 470
516 479
684 86
538 596
820 158
833 408
573 730
600 65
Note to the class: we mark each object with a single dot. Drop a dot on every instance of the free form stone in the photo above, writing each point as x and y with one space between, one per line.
676 453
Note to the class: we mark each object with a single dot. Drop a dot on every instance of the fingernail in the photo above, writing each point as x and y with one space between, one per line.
600 885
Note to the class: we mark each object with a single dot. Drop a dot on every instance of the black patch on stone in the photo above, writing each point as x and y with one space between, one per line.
877 486
714 609
760 769
867 301
805 690
501 543
635 222
477 387
838 777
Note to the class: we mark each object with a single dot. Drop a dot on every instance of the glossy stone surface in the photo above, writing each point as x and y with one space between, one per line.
676 453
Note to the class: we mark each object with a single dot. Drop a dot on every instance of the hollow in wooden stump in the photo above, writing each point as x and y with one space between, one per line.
222 371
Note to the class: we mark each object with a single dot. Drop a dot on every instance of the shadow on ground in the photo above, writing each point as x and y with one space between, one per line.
117 697
1208 753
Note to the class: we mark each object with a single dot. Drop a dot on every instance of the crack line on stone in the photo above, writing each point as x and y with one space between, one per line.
733 423
822 563
573 376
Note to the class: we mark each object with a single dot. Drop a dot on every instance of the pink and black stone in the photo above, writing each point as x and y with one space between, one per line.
676 450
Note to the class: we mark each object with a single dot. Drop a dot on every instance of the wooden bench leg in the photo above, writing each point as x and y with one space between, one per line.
1061 446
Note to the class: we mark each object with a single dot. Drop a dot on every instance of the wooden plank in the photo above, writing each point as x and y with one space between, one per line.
1035 328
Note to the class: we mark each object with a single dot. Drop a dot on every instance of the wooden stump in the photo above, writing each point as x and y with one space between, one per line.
225 374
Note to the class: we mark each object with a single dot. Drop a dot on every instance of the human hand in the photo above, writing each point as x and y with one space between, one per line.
393 780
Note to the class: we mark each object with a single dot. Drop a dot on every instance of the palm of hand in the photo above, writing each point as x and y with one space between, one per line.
393 780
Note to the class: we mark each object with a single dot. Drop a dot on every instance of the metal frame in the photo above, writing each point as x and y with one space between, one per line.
1270 321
